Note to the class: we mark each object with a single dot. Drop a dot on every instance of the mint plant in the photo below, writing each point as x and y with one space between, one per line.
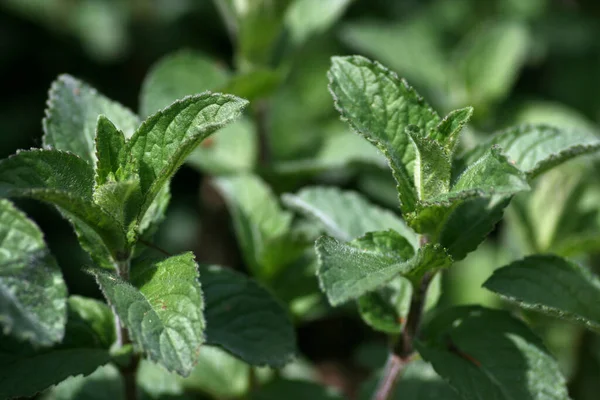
108 174
450 201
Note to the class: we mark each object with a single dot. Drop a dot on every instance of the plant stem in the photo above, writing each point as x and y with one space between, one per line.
262 126
403 350
128 371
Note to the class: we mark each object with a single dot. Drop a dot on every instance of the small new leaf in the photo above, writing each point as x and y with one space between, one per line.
432 165
551 285
110 151
447 132
162 309
245 319
379 106
33 293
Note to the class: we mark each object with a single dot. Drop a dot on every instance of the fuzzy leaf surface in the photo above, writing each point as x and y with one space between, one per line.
348 270
379 106
432 165
64 180
163 141
72 113
245 319
162 308
345 215
487 354
535 149
551 285
110 151
448 130
33 293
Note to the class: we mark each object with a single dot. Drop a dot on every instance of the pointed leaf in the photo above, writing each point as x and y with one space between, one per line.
379 106
345 215
245 319
550 285
72 113
161 144
64 180
537 148
162 309
487 354
33 293
348 270
178 75
447 132
432 165
110 151
470 223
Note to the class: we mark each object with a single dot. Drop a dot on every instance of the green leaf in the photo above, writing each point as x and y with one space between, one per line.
550 285
245 319
379 106
32 290
537 148
233 149
257 217
72 114
29 373
106 378
178 75
293 390
91 323
349 270
432 165
25 370
161 308
487 354
219 374
418 382
163 141
488 61
64 180
448 130
106 383
345 215
110 152
491 175
306 18
385 309
470 223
